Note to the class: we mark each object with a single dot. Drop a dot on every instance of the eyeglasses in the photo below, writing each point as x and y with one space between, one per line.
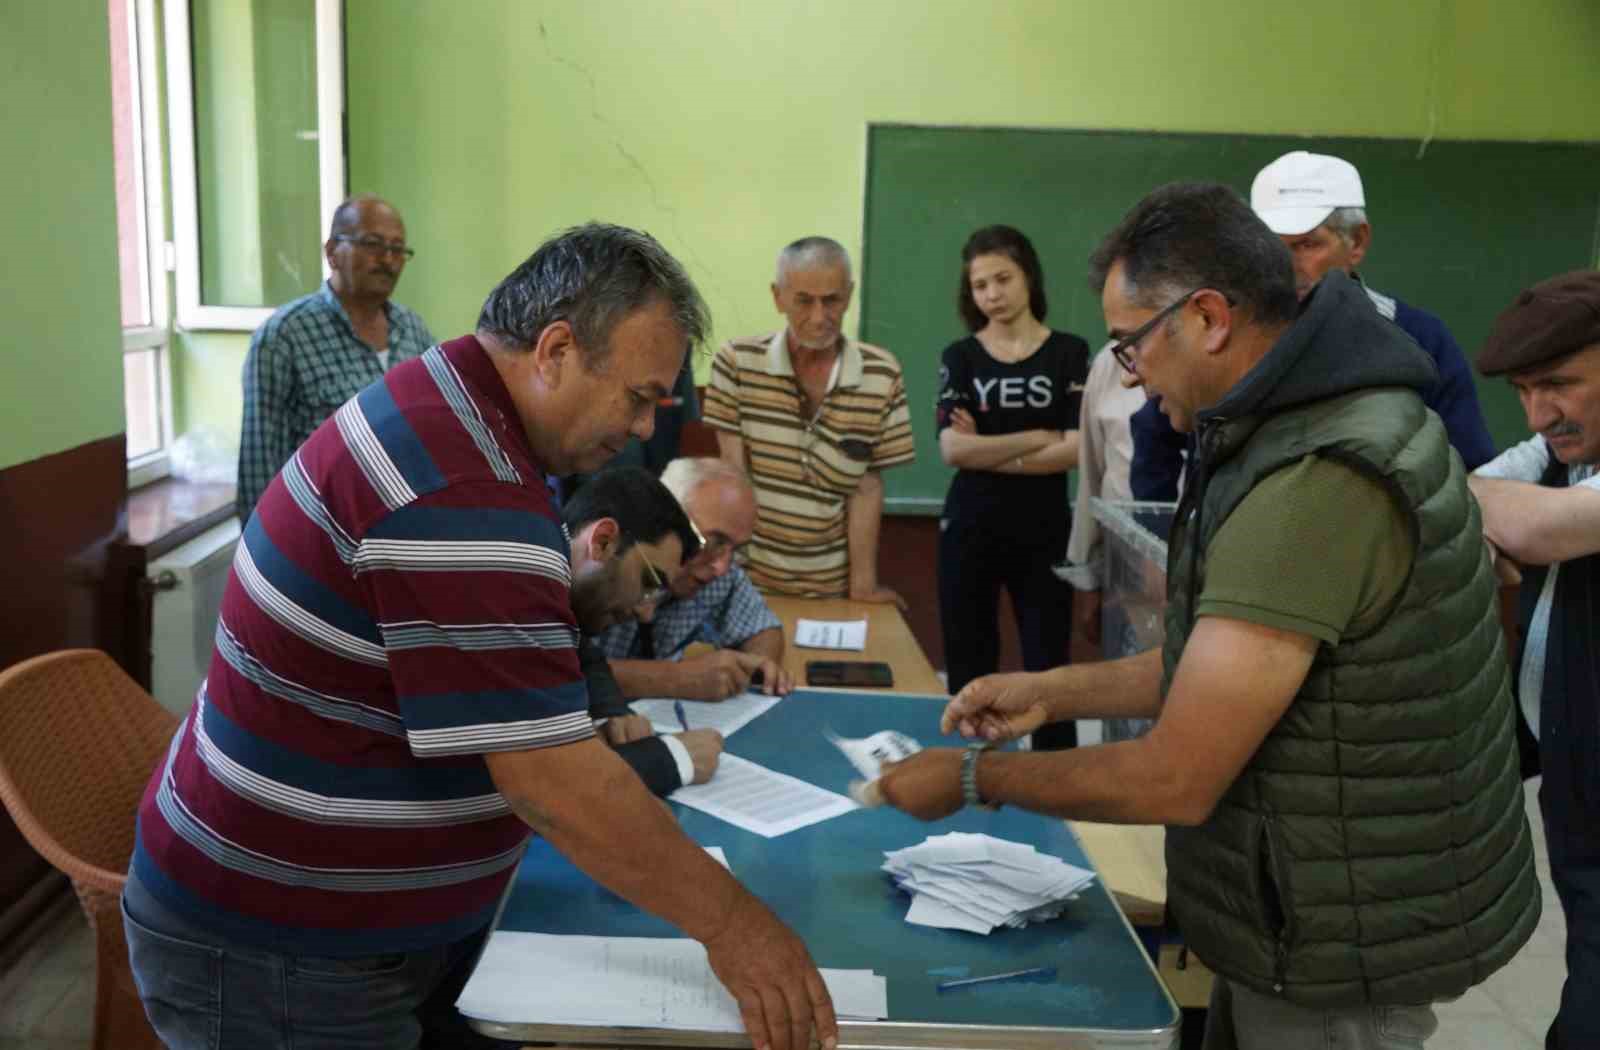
655 585
1123 348
377 245
717 544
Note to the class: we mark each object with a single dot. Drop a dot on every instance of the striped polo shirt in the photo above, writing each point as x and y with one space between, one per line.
397 607
804 469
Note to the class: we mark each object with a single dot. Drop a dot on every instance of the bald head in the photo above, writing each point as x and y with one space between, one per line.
353 214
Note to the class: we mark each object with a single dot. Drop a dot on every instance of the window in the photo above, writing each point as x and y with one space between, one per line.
147 386
255 90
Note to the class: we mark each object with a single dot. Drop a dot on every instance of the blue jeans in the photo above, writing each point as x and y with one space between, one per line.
202 993
1242 1019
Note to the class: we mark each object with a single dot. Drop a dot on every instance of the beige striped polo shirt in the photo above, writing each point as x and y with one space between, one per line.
804 470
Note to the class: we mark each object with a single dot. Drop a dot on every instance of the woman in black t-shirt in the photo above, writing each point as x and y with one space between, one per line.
1008 419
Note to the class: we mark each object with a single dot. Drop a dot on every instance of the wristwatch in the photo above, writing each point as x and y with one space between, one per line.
969 774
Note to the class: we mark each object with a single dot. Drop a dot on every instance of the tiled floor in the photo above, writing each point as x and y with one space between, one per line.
47 998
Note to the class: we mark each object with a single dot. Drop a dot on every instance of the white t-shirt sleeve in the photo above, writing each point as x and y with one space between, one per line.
1525 461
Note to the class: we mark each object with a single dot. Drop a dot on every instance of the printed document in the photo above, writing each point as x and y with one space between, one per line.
636 982
830 634
758 799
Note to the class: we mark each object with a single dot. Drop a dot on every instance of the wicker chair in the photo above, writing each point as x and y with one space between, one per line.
78 740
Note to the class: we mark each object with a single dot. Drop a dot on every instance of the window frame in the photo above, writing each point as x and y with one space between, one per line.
151 239
191 313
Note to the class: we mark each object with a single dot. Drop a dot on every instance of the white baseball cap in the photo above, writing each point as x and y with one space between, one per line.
1297 192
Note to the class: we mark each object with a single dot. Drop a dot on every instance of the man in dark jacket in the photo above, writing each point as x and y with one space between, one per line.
1316 205
1334 754
1541 507
614 508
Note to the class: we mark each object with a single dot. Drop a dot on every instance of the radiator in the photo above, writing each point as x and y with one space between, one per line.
187 584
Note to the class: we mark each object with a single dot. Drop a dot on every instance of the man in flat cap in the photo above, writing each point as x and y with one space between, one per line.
1541 508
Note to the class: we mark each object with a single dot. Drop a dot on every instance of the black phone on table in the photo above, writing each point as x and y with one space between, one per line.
871 674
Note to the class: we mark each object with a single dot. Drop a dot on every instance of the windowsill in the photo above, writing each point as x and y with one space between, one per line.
170 512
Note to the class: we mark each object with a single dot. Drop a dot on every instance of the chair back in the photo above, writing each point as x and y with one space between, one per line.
78 741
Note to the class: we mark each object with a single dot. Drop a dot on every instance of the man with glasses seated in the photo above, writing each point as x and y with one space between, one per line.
628 531
710 601
318 352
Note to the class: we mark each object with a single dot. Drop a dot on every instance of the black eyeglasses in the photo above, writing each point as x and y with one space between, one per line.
377 245
1123 348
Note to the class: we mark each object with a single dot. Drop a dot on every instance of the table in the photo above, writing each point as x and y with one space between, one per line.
1131 858
824 880
889 640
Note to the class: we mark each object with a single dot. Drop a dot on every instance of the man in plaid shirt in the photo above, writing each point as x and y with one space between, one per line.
322 349
710 600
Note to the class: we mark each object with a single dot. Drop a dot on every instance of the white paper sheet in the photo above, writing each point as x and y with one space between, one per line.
869 753
635 982
757 799
725 716
719 856
830 634
977 882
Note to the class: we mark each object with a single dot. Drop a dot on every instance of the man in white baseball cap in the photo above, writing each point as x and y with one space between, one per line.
1316 206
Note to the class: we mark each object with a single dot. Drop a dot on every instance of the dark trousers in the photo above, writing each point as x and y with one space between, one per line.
974 564
1572 832
202 993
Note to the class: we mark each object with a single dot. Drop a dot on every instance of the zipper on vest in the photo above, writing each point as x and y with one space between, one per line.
1275 903
1209 439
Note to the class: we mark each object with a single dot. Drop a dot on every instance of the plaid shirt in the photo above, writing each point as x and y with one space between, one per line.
305 362
727 612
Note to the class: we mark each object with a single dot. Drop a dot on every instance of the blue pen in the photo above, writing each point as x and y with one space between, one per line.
1037 975
677 705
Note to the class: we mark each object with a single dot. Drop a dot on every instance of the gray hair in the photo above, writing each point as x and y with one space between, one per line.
687 473
812 253
1343 222
592 276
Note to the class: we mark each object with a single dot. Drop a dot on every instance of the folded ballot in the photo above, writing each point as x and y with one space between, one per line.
962 881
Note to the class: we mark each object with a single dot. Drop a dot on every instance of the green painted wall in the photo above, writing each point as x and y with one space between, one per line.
60 363
728 128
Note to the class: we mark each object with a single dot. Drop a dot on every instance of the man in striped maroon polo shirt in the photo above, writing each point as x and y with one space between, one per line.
394 698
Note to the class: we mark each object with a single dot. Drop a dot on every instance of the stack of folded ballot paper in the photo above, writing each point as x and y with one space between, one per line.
976 882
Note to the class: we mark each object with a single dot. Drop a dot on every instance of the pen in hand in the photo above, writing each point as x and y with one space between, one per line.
683 720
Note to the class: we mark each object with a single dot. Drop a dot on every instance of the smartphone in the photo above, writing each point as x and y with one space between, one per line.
863 673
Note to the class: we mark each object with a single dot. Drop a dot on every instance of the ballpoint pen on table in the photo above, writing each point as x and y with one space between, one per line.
1036 974
683 720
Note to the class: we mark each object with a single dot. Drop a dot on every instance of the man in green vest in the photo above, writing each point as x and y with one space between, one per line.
1334 754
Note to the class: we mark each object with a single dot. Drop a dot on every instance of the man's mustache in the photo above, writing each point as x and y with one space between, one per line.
1562 430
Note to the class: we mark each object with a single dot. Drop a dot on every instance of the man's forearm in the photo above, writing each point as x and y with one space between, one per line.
1537 525
1121 783
590 806
1129 687
639 678
864 511
768 643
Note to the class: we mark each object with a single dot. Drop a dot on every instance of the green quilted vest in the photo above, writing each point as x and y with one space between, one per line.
1375 849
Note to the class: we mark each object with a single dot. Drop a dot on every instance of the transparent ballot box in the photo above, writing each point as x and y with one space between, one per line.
1134 587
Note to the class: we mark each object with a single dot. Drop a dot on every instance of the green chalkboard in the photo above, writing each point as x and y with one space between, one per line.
1458 229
